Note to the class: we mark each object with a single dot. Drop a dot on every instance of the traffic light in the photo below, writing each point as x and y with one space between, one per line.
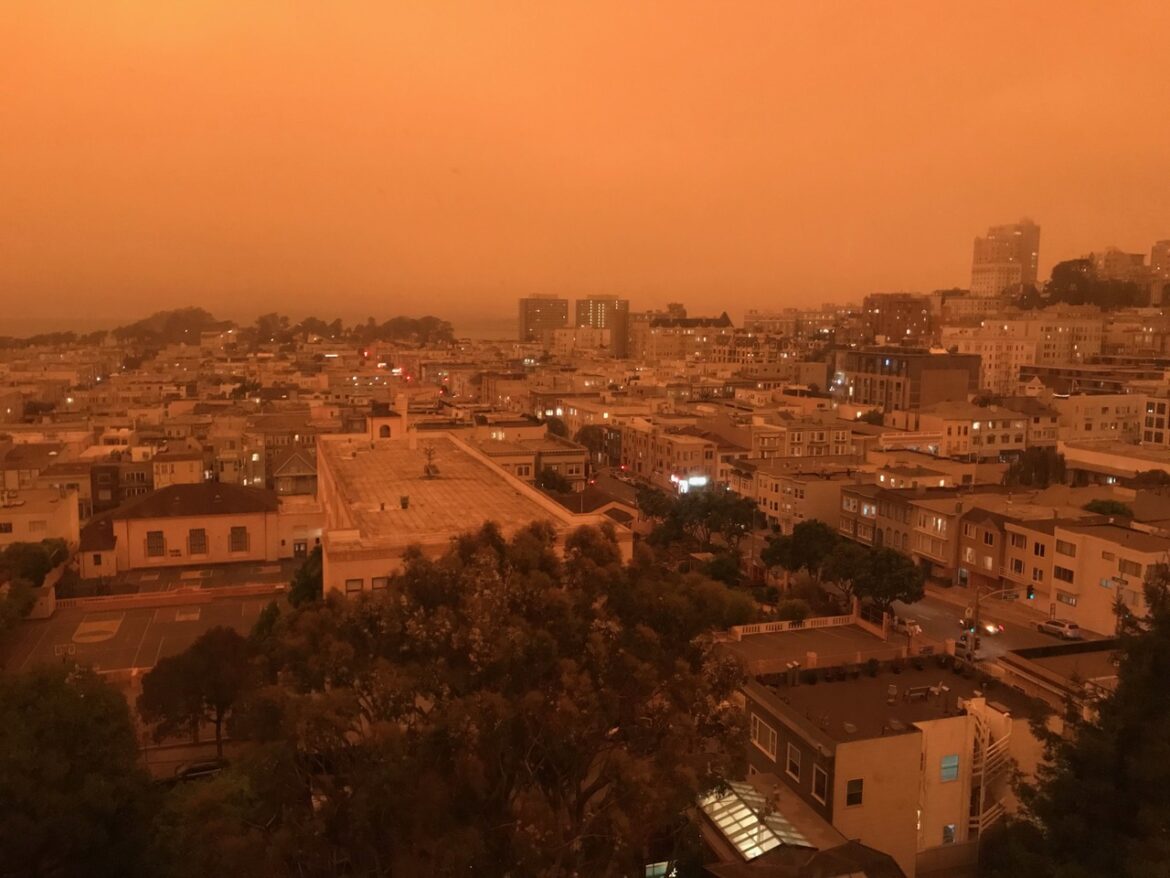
1031 591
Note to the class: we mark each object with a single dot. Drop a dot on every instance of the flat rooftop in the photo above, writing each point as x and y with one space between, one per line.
832 645
859 709
467 491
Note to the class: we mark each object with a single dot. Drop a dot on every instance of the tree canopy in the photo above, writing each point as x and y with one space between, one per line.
202 684
73 797
308 582
1036 467
1109 507
495 710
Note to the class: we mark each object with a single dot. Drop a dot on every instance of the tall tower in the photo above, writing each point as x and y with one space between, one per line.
608 312
540 315
1160 273
1006 259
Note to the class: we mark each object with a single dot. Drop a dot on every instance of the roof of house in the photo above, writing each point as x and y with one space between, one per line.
206 498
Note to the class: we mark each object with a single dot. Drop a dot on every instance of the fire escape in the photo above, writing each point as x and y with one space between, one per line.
990 769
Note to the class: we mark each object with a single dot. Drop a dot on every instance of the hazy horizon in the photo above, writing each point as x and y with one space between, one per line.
372 158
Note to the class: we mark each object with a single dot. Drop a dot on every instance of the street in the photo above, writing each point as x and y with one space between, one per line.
940 619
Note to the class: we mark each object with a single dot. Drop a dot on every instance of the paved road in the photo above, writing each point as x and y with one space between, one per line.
940 617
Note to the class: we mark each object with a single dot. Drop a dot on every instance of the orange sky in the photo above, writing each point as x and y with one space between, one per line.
400 157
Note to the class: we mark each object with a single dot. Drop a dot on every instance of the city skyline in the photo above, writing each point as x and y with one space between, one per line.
332 156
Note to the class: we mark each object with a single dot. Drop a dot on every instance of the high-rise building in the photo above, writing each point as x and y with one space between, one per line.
1114 264
1160 273
1006 259
540 315
607 312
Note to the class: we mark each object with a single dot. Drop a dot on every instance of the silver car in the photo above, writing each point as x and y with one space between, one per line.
1062 628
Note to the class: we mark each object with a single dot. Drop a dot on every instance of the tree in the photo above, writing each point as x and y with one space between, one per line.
31 562
1099 804
551 480
592 436
847 565
809 547
499 710
202 684
73 796
1036 467
653 504
308 582
873 416
1151 478
1109 507
16 600
556 427
889 576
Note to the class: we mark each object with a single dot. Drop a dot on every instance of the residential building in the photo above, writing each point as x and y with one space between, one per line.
904 378
1006 259
607 312
898 318
1000 357
911 765
36 514
1101 416
540 315
969 430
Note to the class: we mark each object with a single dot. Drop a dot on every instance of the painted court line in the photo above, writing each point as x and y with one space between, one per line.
141 640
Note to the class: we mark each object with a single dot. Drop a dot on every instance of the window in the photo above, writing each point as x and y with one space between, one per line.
1108 556
5 527
1065 598
1039 550
968 530
37 526
1066 548
97 559
156 544
1129 568
949 833
354 584
820 788
793 765
197 541
1037 574
1017 566
988 538
239 539
763 736
523 469
853 792
1063 574
949 768
378 583
1019 541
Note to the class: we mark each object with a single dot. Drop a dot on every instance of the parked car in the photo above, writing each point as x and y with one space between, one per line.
907 626
199 770
1062 628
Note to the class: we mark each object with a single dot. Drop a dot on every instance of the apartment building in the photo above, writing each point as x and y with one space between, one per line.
1100 417
969 431
898 379
789 492
668 457
911 764
1000 358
